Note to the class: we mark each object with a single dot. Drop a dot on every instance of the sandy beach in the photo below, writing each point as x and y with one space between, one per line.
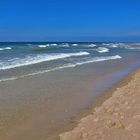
47 97
118 118
70 70
44 106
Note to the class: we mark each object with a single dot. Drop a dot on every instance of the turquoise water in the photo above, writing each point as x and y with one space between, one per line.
18 60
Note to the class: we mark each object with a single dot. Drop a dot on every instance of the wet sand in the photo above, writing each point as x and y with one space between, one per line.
118 118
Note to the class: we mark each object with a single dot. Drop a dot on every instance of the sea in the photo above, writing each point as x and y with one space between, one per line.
45 87
22 59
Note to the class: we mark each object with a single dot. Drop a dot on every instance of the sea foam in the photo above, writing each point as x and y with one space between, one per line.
29 60
71 65
64 45
42 46
74 45
102 50
6 48
92 45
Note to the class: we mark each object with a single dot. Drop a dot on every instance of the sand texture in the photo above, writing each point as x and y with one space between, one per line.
118 118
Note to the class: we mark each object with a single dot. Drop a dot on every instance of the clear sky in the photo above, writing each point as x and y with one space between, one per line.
70 20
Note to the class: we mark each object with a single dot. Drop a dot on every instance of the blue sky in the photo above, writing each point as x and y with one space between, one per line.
70 20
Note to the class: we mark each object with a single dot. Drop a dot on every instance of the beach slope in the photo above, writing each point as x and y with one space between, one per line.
118 118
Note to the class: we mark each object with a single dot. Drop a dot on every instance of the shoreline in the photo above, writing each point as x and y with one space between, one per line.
98 103
48 115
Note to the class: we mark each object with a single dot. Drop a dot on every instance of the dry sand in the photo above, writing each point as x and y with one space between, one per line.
118 118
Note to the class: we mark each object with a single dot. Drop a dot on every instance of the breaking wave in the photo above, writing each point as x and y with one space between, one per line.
92 45
96 59
6 48
29 60
102 50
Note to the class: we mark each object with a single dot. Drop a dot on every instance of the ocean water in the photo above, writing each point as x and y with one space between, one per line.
75 74
18 60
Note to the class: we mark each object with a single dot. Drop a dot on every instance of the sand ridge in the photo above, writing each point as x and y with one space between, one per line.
118 118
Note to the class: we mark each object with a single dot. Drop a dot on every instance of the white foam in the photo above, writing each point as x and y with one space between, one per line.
47 45
42 46
29 60
74 45
92 45
130 47
114 46
53 44
102 50
96 59
106 44
111 45
125 46
6 48
64 45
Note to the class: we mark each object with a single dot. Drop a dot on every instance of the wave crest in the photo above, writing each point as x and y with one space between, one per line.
6 48
96 59
102 50
92 45
29 60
